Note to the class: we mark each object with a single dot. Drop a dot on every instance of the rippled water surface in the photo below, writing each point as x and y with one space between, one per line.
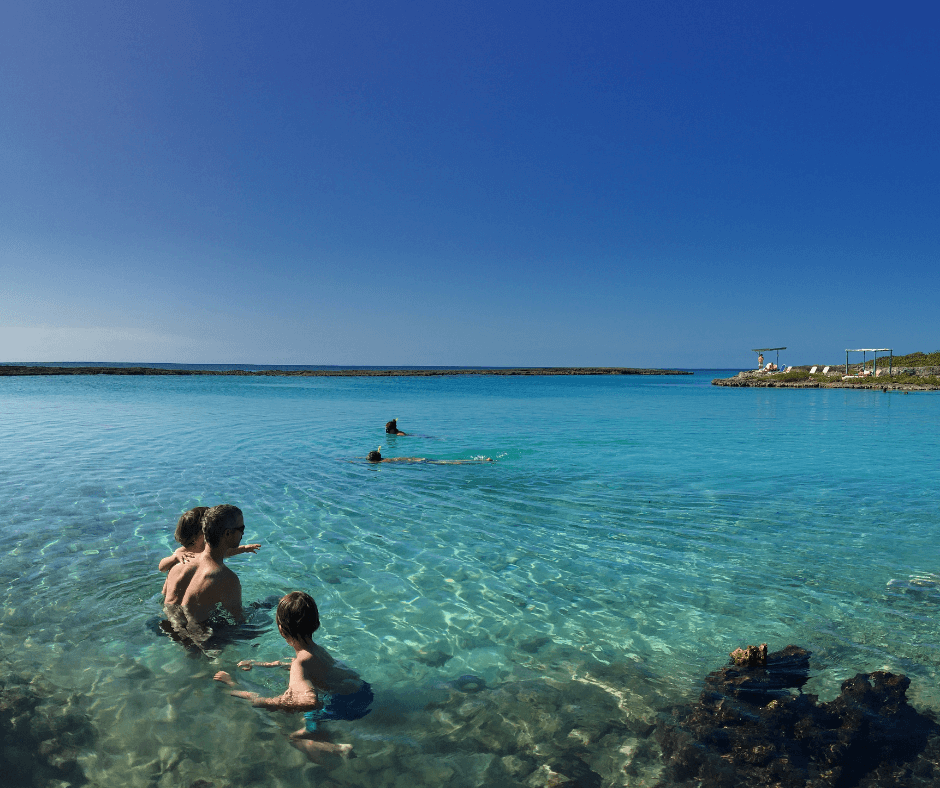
647 525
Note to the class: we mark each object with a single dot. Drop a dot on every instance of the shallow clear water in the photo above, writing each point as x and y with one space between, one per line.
648 523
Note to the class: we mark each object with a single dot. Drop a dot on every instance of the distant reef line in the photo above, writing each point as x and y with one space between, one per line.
11 370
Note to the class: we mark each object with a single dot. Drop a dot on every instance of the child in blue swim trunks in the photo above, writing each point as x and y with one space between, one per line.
319 686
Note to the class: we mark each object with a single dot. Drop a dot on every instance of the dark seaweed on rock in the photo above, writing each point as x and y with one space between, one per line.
748 729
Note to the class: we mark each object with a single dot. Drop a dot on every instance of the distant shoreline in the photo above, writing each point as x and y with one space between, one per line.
16 370
751 380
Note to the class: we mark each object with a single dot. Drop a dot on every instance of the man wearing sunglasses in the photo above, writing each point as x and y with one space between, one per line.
197 589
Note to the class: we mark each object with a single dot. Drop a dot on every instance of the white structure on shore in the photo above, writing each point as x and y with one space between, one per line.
876 351
761 350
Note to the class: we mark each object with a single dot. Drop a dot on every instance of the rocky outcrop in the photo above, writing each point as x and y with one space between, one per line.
921 372
751 656
749 729
770 380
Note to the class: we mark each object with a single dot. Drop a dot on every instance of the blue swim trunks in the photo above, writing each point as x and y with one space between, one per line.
354 706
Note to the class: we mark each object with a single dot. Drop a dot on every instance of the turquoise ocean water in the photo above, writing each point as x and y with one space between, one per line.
641 525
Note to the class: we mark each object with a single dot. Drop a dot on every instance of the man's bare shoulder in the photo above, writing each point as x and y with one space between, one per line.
213 579
220 573
206 567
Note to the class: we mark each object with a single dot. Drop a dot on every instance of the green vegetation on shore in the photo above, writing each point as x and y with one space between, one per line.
800 376
910 360
914 360
901 366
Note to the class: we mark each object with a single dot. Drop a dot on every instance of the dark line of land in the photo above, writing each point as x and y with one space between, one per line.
334 373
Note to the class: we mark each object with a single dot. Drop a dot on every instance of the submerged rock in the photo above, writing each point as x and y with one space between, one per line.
545 733
748 729
760 677
435 657
41 734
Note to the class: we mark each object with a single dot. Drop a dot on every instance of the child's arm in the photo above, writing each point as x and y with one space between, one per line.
248 664
243 548
166 564
286 702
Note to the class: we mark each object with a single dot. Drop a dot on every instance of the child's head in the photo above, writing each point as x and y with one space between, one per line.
375 455
189 527
297 616
219 519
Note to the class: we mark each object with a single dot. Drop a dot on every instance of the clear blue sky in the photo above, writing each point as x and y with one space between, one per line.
632 183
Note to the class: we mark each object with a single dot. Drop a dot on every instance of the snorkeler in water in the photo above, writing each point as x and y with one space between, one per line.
376 456
391 427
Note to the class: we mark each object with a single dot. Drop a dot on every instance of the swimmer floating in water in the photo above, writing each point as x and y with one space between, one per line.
376 456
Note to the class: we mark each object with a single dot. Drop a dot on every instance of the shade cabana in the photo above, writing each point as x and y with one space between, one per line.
875 351
760 350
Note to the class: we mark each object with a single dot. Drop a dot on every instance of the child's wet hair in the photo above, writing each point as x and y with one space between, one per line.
375 456
297 616
189 526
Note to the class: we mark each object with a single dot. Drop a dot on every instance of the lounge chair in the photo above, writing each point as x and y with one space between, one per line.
812 371
788 369
825 370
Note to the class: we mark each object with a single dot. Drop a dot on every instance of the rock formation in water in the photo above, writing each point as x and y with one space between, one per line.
750 729
41 735
752 656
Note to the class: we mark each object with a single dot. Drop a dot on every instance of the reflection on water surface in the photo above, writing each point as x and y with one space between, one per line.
630 535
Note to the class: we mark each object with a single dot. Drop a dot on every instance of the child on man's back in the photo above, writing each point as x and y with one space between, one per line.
319 685
193 542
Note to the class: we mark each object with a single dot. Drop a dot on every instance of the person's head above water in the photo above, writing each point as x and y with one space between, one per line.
297 616
391 427
375 455
220 519
189 527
